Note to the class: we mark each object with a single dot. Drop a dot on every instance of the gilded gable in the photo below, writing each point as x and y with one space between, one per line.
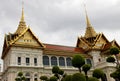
28 39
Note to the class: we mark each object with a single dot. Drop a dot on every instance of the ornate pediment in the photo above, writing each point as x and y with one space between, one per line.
27 38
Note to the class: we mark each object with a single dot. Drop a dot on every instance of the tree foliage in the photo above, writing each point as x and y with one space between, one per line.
98 73
110 59
116 74
44 78
78 61
58 72
114 50
86 68
92 79
20 74
55 69
78 77
61 72
68 78
20 77
53 78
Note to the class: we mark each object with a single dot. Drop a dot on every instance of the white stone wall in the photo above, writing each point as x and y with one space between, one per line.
96 56
23 53
10 61
100 62
6 61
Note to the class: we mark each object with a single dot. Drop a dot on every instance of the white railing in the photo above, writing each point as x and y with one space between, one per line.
103 64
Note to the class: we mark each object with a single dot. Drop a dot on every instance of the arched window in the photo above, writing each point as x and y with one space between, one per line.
88 61
69 61
53 61
27 75
61 61
45 60
35 77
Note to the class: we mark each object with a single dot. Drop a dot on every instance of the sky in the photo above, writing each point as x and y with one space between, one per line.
61 21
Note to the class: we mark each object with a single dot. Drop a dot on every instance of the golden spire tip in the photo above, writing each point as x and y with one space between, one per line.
22 17
87 19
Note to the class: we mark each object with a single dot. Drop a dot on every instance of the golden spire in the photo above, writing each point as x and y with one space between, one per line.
22 17
90 32
87 20
22 24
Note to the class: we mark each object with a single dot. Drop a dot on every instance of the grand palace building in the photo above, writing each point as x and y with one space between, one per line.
23 52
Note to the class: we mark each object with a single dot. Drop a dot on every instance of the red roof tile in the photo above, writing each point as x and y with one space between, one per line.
64 48
107 46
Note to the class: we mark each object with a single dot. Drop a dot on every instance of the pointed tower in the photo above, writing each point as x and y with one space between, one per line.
22 24
90 32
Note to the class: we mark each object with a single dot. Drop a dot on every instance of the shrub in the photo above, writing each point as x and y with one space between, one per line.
68 78
78 77
78 61
98 73
92 79
53 78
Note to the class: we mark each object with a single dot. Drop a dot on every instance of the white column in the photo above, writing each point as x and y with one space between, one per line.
31 60
58 61
65 62
32 76
40 55
23 60
49 61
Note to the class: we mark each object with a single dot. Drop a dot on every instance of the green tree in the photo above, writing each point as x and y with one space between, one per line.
115 51
20 77
78 77
110 59
92 79
53 78
57 72
58 75
98 73
68 78
55 69
78 61
61 72
116 74
44 78
63 76
86 68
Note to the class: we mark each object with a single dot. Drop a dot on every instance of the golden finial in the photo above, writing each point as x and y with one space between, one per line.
22 24
90 32
87 19
22 17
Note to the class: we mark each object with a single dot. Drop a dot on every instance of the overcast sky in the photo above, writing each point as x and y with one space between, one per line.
61 21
